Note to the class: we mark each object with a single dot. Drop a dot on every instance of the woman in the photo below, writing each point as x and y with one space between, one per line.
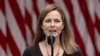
52 19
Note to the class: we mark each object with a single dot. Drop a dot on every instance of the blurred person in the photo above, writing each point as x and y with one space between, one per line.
52 19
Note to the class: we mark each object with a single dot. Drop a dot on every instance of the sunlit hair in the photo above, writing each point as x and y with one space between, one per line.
65 39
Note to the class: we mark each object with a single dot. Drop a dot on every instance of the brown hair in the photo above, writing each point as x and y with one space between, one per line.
65 39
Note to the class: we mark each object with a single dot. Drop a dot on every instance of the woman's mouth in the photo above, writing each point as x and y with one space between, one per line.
52 31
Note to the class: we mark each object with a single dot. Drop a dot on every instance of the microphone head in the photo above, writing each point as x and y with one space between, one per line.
51 39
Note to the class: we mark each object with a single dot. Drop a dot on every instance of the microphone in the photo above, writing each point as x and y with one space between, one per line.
51 40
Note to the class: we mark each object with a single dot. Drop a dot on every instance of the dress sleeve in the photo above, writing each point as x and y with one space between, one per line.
78 52
26 52
32 51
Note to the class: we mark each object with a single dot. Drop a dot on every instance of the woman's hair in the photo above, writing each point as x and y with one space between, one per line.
65 38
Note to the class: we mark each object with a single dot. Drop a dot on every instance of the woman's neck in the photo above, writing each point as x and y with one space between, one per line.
56 42
44 46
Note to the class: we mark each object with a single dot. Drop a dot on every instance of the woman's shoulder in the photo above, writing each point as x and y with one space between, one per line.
33 49
77 51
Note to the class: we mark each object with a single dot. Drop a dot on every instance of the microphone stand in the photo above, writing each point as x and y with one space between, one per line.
51 40
52 49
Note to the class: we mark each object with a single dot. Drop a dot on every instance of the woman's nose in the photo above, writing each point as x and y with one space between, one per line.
52 24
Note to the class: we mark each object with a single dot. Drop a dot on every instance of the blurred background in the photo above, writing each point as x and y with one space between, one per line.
18 21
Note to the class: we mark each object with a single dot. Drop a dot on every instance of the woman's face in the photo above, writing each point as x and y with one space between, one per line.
52 23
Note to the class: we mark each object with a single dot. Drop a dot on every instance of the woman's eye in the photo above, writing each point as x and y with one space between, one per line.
47 20
57 20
